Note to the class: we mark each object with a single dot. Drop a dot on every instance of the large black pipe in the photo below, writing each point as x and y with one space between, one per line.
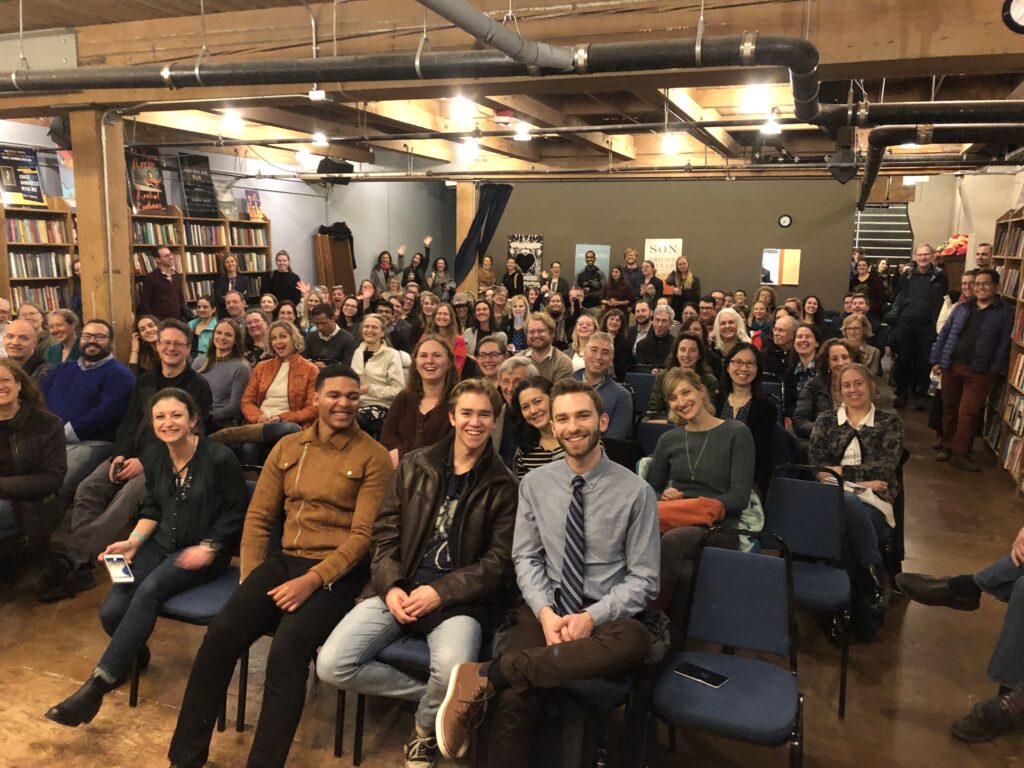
864 115
882 138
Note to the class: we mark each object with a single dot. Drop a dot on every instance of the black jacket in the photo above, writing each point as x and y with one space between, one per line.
881 448
812 401
762 417
135 431
38 465
653 351
283 285
243 284
920 298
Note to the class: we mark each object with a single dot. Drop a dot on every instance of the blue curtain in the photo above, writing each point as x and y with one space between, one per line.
493 199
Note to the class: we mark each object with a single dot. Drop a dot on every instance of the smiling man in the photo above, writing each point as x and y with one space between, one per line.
618 405
163 292
586 555
442 548
22 344
327 482
553 364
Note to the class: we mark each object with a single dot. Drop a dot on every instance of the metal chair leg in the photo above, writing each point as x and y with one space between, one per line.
133 692
671 737
243 689
339 725
845 664
357 742
222 718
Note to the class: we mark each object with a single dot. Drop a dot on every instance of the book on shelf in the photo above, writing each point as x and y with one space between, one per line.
201 261
21 230
49 264
1002 233
1010 281
993 428
204 234
143 263
1013 455
154 233
47 297
248 236
1013 413
194 289
1016 376
253 262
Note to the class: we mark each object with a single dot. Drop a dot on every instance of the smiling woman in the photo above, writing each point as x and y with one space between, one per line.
531 416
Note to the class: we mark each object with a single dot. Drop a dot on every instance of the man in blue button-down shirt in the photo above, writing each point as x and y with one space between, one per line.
620 577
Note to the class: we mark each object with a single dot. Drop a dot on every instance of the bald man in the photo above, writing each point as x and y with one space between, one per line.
22 344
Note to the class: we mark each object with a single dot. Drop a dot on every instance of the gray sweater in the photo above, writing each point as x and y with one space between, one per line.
724 472
227 382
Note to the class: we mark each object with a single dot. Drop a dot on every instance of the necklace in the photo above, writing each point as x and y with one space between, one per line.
686 439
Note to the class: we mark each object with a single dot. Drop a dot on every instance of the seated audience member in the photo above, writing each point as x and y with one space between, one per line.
555 308
690 312
856 329
381 374
108 498
1002 714
491 352
859 304
689 355
743 400
33 315
257 336
536 445
638 332
813 313
767 294
315 296
348 320
186 533
287 312
863 446
442 555
63 325
806 343
585 327
301 591
269 304
618 405
778 351
614 324
534 300
227 372
327 343
445 326
481 325
202 325
505 436
32 465
418 415
553 364
816 396
428 305
144 356
616 293
22 345
663 301
707 310
396 330
90 396
499 304
584 587
727 331
515 328
760 320
234 307
279 399
655 349
651 286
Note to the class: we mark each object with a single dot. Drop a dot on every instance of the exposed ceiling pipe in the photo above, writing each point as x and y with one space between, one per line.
864 115
882 138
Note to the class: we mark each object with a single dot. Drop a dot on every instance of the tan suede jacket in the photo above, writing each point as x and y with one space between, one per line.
329 492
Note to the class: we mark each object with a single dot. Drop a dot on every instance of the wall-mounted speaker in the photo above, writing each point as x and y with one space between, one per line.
327 165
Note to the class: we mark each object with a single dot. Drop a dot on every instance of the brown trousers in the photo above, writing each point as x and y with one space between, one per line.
963 399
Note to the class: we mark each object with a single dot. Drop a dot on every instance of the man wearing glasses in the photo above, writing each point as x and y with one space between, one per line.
399 331
972 348
106 500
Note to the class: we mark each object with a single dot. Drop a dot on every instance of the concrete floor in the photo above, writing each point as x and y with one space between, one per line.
927 669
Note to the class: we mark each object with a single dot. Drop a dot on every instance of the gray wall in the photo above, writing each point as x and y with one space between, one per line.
724 225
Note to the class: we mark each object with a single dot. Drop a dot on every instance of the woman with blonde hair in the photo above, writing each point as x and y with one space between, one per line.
381 374
857 331
516 327
685 285
586 327
728 330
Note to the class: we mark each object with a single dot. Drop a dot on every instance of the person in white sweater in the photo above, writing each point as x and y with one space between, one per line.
381 374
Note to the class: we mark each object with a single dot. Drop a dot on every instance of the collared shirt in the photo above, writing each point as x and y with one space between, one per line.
85 365
623 554
337 328
617 404
853 456
554 366
641 334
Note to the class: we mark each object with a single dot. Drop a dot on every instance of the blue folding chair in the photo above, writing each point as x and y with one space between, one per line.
642 384
744 601
809 517
648 434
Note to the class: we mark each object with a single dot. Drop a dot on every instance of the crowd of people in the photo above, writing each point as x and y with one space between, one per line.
432 462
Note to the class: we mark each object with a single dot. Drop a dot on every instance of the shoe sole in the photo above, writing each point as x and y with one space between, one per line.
442 746
963 606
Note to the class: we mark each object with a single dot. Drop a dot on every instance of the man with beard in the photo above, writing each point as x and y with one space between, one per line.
586 553
637 333
90 395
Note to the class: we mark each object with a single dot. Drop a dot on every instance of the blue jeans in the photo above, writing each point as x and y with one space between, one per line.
83 458
255 453
866 530
347 658
1005 582
129 611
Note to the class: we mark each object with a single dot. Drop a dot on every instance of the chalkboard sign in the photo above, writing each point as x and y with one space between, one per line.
196 182
146 180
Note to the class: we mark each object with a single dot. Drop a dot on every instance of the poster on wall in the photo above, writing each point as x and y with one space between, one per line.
780 266
146 181
66 168
253 206
19 177
663 252
226 198
528 251
197 184
603 262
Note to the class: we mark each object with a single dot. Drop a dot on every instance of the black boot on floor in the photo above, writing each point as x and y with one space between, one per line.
883 589
81 706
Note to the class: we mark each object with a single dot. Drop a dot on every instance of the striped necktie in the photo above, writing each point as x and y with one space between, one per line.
570 597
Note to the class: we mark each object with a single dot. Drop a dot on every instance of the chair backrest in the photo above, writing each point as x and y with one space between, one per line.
742 600
805 514
648 434
642 384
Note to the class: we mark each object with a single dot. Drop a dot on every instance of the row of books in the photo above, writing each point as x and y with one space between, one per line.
995 435
1016 376
1010 241
1013 413
143 263
253 262
201 261
21 230
249 236
196 288
1010 281
204 234
47 297
49 264
154 233
1013 456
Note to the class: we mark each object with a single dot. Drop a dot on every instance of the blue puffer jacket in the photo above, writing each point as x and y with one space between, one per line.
993 351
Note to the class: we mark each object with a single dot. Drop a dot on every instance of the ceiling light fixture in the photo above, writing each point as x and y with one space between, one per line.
671 143
317 94
910 145
756 99
771 126
319 140
909 181
231 122
469 149
305 159
463 111
522 132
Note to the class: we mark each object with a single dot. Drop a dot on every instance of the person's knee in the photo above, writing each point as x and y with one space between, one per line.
635 640
336 664
445 658
111 612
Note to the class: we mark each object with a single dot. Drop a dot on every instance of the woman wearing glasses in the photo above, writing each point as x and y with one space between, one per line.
741 399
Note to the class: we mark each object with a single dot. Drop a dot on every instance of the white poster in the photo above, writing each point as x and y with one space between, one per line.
528 251
663 252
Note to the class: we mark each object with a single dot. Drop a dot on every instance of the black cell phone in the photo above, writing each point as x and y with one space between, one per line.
701 675
118 466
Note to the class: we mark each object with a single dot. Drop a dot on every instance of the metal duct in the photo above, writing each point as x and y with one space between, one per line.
864 115
882 138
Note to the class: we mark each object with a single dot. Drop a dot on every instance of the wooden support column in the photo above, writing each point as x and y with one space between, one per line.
465 210
104 246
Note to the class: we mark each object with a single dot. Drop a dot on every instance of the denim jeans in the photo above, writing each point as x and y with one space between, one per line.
866 529
129 611
256 453
347 658
1005 581
83 458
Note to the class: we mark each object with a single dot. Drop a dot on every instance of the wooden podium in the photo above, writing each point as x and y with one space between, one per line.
334 262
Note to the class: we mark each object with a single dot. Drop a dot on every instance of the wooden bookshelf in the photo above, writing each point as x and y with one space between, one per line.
37 249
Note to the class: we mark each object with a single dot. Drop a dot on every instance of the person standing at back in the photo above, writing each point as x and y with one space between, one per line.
163 290
591 280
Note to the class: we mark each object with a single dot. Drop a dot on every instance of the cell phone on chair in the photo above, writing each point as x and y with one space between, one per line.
701 675
120 573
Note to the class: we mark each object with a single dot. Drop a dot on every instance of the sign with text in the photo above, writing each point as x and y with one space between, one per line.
197 183
146 181
604 259
663 252
780 266
19 177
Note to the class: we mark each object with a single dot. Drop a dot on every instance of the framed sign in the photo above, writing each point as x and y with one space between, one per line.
527 250
19 177
663 252
146 180
602 252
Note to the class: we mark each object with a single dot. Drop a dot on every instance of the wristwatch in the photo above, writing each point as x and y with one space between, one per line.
210 544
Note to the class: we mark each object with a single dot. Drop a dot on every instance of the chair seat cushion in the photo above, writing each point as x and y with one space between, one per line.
601 693
406 651
200 604
819 586
758 704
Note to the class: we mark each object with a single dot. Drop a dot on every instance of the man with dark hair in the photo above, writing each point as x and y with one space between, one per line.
329 342
90 396
398 330
973 348
106 500
707 311
327 483
234 303
654 350
638 332
591 280
163 290
442 554
587 558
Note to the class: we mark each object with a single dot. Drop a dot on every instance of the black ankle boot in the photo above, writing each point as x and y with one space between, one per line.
82 705
883 588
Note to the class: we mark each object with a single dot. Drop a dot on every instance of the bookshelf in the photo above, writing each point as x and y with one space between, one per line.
37 249
250 244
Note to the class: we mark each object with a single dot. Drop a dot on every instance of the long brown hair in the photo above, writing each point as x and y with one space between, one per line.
30 394
451 378
237 348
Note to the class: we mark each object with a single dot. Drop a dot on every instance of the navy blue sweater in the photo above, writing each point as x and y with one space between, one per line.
94 400
992 353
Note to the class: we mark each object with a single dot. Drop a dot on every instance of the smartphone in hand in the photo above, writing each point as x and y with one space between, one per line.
120 573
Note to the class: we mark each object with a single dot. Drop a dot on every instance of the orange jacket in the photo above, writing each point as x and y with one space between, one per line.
301 390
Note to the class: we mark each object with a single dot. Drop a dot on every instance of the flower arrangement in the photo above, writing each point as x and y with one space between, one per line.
956 245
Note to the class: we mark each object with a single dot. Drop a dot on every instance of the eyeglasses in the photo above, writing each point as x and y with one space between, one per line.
95 336
743 363
174 344
489 355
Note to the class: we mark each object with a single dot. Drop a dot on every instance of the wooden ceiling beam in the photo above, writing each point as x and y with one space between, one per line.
681 103
294 121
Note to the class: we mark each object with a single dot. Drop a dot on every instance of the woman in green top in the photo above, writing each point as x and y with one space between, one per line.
188 527
689 354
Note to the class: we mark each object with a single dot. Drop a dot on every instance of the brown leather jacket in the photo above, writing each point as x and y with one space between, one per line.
329 492
480 541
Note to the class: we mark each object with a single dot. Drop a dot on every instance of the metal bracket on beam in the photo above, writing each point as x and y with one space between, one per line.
925 133
14 81
423 46
165 75
747 45
700 40
581 59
